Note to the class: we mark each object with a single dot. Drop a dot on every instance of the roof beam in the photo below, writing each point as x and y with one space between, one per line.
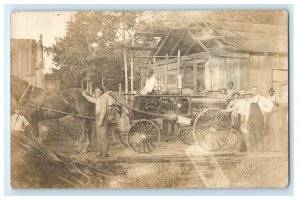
163 42
188 51
198 41
178 41
153 34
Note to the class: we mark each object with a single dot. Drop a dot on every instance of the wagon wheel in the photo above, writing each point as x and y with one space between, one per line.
143 136
186 136
212 129
122 138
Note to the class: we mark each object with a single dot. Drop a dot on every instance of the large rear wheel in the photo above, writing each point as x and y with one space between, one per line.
212 129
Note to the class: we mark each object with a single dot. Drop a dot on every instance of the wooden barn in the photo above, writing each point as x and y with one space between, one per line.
26 60
209 54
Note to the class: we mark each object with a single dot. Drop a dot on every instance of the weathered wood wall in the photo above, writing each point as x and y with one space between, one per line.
245 70
245 73
26 60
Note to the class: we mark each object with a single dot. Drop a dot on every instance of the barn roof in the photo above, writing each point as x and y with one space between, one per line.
221 34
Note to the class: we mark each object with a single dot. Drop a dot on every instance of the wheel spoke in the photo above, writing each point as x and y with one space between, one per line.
135 147
154 146
215 119
146 130
153 132
218 143
143 146
146 127
147 146
219 120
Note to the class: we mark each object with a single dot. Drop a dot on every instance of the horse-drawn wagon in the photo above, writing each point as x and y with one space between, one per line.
194 119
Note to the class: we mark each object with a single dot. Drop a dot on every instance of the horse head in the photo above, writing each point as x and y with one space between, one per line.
17 87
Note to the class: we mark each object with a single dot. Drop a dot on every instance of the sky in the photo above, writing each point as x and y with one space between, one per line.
29 25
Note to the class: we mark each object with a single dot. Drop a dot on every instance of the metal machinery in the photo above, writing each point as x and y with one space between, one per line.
194 119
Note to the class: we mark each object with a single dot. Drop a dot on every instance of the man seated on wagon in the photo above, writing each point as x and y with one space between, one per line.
151 83
222 94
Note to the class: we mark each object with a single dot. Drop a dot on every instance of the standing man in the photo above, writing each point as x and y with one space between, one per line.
271 95
18 122
241 108
151 83
232 107
260 105
103 102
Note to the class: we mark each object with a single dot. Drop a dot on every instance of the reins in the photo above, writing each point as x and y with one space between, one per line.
58 111
29 84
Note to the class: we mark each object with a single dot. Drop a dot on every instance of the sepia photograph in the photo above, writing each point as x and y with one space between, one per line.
149 99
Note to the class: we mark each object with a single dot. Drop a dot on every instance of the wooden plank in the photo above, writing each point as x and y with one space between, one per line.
142 48
202 57
224 53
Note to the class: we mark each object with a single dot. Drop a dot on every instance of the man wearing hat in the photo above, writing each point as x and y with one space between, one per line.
259 106
103 103
151 83
241 108
232 106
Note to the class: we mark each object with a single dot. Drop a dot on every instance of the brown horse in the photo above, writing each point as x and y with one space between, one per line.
36 105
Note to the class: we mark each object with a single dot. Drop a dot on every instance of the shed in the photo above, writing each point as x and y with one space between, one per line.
215 52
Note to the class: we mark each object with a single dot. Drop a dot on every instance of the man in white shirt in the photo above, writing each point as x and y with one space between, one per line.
18 122
232 107
103 102
151 83
241 108
260 105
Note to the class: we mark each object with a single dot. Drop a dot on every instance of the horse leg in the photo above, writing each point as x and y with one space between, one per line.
35 132
82 136
88 131
87 127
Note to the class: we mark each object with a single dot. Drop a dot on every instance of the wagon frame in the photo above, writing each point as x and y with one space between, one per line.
197 120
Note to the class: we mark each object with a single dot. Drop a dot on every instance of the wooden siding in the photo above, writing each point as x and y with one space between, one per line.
219 71
245 73
26 61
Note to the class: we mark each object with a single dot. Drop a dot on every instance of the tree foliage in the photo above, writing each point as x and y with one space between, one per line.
93 47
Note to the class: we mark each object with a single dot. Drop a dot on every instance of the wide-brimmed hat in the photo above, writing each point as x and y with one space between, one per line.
248 92
242 92
235 94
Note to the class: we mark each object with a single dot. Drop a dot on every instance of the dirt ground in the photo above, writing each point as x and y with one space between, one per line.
172 165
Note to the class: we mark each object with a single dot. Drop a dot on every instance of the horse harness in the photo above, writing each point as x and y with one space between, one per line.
40 105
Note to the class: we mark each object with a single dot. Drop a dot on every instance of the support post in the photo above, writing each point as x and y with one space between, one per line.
120 89
178 62
166 73
126 71
131 65
195 74
131 73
